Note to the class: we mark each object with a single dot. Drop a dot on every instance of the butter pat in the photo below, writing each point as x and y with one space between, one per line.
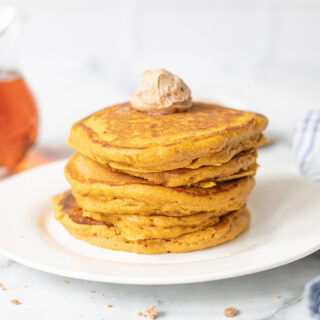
161 92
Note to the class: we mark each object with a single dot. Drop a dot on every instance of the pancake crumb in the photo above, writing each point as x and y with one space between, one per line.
92 291
152 312
140 314
15 301
230 312
109 305
66 281
277 297
298 299
3 287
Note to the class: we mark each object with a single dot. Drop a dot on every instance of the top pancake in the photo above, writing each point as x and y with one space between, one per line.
123 137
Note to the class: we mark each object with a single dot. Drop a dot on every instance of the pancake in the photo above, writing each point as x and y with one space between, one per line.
104 235
126 139
156 220
242 165
214 159
100 189
133 228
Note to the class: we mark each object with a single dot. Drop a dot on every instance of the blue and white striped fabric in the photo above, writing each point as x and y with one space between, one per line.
306 149
306 145
312 298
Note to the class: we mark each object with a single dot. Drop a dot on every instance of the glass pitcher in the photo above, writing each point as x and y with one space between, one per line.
18 111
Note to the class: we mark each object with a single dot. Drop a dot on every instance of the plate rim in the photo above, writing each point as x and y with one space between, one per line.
142 281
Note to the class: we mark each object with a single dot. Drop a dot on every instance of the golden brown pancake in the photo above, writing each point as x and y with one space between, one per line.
155 220
242 165
107 235
126 139
135 227
99 189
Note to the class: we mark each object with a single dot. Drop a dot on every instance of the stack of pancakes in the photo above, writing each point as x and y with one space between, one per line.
160 183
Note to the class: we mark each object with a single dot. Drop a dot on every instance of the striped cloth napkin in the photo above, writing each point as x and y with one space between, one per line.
312 298
306 144
306 150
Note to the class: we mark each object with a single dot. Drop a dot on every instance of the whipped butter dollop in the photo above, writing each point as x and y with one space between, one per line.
161 92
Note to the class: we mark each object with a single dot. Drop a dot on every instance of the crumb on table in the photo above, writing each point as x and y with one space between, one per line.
277 297
109 305
151 313
15 301
3 287
66 281
230 312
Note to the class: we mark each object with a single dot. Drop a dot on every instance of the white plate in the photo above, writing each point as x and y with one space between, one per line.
284 227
